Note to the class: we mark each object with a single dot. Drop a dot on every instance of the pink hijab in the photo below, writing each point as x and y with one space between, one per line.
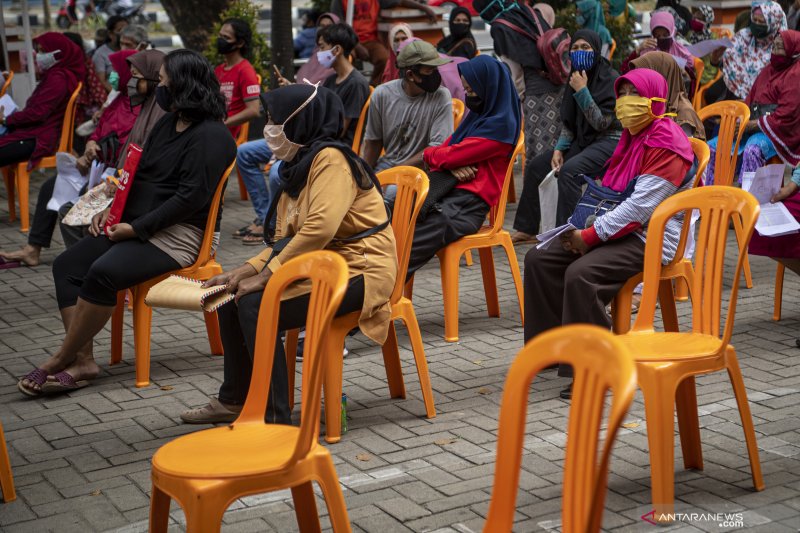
664 19
449 72
626 161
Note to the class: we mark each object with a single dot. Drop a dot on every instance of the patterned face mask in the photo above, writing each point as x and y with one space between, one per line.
582 60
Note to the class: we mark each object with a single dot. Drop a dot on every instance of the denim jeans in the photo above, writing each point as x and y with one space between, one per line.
251 158
274 185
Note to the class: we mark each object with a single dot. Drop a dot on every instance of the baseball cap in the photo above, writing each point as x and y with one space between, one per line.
420 53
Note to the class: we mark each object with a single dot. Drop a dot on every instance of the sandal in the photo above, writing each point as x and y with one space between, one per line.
253 239
213 413
520 237
63 383
5 264
244 231
37 376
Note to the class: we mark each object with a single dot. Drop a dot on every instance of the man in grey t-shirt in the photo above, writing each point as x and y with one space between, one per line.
410 114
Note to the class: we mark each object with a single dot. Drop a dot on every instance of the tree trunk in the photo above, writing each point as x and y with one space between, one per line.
192 23
46 9
282 46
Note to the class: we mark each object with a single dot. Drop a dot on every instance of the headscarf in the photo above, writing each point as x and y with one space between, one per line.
311 70
70 59
391 72
508 42
317 126
680 13
665 20
744 60
500 118
782 89
601 87
449 72
547 12
617 7
708 16
626 161
594 19
148 63
457 38
121 66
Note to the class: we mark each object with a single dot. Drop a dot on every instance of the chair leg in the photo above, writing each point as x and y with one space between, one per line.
779 274
408 290
748 277
242 188
681 290
669 312
159 511
23 189
508 246
6 477
334 498
332 383
410 320
391 361
291 362
468 258
203 514
449 271
512 192
747 419
142 320
305 508
10 180
117 322
489 281
689 424
621 312
212 330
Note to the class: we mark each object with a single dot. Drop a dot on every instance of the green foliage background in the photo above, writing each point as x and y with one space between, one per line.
622 33
259 51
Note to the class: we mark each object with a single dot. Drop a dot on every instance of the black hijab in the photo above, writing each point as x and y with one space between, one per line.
508 42
601 87
317 126
456 43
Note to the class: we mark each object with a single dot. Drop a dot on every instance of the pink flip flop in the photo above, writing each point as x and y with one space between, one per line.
38 376
9 264
63 383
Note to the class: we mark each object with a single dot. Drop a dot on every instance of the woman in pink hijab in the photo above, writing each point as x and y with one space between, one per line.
449 72
573 280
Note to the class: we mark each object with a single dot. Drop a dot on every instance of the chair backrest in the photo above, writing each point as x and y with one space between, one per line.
244 129
699 67
718 205
612 49
328 273
204 255
600 363
498 212
699 100
68 126
412 189
362 123
733 118
458 112
7 83
703 154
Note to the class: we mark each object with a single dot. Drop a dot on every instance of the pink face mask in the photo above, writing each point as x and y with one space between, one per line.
697 25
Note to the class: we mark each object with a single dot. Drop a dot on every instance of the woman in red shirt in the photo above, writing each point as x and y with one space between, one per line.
477 154
237 77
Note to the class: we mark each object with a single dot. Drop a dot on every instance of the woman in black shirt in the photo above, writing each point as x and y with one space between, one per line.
162 223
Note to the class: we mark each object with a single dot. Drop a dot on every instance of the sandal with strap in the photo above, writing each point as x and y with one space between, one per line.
253 239
244 231
213 413
63 383
37 376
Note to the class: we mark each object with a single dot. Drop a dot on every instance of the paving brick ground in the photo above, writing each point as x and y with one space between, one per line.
82 462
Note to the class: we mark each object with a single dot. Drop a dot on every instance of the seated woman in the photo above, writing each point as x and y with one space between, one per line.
162 223
573 280
93 94
700 30
477 154
328 195
398 34
588 137
118 119
780 129
590 16
460 42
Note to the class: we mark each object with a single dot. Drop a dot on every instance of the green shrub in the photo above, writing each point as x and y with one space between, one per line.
621 32
259 51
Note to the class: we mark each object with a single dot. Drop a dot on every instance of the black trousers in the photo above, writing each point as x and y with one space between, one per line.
44 220
589 161
238 324
458 214
718 92
96 268
565 288
16 152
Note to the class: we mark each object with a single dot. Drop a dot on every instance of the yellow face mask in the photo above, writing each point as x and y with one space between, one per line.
635 113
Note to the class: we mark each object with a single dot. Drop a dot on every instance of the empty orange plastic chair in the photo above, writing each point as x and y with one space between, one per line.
6 478
601 363
458 112
7 83
204 268
679 269
412 189
206 471
358 137
668 362
17 176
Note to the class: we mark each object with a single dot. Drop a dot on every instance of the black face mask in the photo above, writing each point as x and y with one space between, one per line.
459 28
474 103
224 47
164 98
759 31
664 43
431 82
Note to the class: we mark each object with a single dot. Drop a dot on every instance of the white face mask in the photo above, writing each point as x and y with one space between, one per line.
326 58
47 60
282 148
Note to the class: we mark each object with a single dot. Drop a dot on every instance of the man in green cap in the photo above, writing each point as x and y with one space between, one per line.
410 114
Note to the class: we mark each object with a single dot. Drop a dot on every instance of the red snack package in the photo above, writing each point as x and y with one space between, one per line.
124 181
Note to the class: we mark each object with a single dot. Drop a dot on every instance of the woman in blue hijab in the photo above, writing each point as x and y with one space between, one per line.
476 155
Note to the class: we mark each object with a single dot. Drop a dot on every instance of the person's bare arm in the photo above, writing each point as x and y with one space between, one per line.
372 150
411 4
415 160
250 112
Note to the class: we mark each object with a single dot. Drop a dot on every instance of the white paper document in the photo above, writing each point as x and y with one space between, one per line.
546 238
774 220
703 48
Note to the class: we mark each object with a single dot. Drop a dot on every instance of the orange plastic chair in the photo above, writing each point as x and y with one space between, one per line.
699 67
204 268
6 478
779 274
7 83
668 362
244 133
207 470
679 269
412 189
18 176
612 49
721 31
358 137
601 363
484 240
458 112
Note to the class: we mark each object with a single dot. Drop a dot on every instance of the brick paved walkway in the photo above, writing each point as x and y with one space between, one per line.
82 463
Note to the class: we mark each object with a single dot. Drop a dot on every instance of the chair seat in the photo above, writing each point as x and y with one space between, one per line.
649 346
230 451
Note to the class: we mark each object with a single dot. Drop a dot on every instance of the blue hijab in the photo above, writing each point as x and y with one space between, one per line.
500 120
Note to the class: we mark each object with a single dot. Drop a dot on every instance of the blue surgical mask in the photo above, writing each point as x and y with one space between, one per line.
582 60
113 80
